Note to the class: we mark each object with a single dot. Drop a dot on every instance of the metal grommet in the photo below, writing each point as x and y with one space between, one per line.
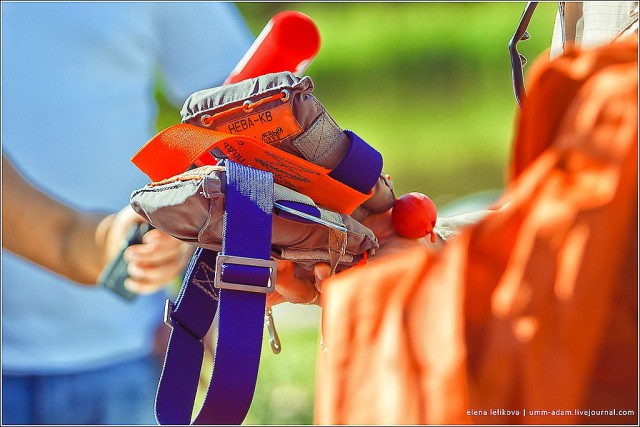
204 118
285 96
247 106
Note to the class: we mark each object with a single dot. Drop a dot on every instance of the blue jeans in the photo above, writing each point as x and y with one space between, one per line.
120 394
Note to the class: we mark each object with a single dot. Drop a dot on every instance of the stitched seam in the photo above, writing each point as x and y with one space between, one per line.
176 179
276 89
301 142
205 269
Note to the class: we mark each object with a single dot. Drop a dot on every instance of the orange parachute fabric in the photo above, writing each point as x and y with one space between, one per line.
528 317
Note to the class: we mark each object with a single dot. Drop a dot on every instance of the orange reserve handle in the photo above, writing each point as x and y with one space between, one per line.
289 42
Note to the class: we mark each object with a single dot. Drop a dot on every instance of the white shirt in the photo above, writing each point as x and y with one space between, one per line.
600 22
77 102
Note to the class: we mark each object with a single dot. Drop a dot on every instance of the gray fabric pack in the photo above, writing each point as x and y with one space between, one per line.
190 207
320 140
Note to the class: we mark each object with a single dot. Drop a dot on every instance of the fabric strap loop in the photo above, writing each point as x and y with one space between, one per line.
195 306
361 166
246 233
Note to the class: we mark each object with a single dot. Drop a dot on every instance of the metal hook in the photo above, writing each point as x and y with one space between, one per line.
274 339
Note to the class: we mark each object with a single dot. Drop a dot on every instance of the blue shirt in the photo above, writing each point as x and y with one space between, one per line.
77 103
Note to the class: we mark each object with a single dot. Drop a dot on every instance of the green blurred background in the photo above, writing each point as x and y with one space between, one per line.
429 86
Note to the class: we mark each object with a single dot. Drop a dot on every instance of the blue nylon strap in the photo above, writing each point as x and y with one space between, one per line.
246 229
246 233
361 166
193 313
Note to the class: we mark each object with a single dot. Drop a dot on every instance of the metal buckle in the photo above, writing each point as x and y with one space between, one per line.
168 311
237 260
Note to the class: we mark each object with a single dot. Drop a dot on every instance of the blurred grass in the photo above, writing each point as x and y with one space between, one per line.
285 388
429 86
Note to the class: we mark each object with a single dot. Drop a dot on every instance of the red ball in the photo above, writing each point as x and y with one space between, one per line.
414 216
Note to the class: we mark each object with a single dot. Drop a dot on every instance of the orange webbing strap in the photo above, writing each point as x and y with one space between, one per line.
174 149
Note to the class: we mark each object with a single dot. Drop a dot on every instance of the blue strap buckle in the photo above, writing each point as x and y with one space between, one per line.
168 311
255 262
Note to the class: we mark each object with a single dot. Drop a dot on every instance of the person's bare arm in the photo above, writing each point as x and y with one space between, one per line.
77 244
50 233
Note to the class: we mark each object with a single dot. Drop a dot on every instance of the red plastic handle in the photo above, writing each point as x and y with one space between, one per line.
289 42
